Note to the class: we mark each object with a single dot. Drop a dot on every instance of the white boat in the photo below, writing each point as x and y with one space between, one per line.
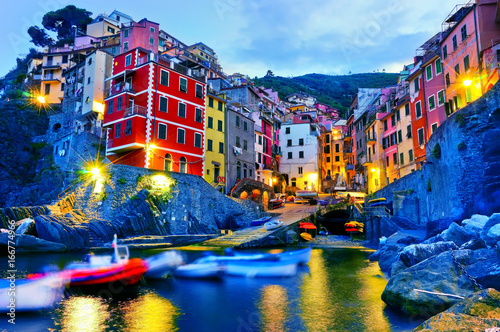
301 256
162 264
273 224
250 269
32 294
200 270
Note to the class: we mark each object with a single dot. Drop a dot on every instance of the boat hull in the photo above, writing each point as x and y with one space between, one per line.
162 264
200 270
260 221
128 273
270 225
253 269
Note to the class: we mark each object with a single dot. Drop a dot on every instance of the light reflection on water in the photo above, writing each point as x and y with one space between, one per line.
339 290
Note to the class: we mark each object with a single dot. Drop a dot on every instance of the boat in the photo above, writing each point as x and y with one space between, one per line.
301 256
162 264
306 236
306 193
33 294
307 225
273 224
258 222
354 226
249 268
104 269
278 201
377 200
300 200
334 221
200 269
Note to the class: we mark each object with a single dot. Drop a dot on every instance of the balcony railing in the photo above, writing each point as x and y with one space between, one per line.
50 77
51 64
119 88
136 109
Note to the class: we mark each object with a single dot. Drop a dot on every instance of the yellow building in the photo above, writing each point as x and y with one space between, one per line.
215 159
375 167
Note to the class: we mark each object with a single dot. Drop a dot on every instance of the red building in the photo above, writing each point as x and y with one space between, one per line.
418 112
155 114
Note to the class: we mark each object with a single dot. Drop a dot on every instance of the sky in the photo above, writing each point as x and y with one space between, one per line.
289 37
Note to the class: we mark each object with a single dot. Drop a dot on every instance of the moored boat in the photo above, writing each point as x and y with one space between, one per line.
306 236
260 221
33 294
251 268
162 264
200 269
273 224
300 256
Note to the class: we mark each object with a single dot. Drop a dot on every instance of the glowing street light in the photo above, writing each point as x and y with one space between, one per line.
41 99
467 82
95 172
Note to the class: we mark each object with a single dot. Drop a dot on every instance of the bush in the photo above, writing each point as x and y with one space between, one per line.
436 151
460 119
409 191
121 181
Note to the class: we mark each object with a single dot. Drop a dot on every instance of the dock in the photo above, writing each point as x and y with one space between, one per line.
291 214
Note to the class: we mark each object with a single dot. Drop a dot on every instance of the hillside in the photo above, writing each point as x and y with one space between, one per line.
333 90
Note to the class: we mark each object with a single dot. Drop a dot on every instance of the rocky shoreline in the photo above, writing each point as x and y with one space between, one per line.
454 261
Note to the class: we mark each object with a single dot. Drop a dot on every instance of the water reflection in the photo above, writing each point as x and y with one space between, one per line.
150 312
84 313
273 307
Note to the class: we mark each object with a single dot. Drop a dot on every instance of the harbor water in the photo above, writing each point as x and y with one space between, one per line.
339 290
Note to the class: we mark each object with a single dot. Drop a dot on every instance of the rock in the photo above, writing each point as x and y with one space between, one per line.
478 312
388 255
484 266
397 267
455 233
474 244
28 243
291 237
494 220
408 240
436 227
475 223
59 229
376 255
492 236
27 227
498 249
436 274
417 253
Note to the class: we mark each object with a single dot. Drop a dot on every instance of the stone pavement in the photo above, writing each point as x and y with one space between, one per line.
290 214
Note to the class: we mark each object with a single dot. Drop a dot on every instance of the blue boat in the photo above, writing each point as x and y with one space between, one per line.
301 256
258 222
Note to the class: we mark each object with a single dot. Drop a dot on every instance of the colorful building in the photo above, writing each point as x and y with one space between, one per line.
418 113
143 34
405 147
155 114
215 140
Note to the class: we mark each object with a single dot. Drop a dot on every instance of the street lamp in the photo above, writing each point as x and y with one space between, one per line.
467 82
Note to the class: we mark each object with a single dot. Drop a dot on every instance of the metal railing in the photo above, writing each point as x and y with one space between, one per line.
136 109
378 211
119 88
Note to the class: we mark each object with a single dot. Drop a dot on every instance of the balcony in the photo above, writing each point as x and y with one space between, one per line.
135 110
111 148
347 137
349 167
51 78
368 162
119 88
371 140
51 64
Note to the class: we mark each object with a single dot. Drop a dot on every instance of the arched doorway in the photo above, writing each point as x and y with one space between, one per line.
265 200
244 195
182 165
168 162
256 195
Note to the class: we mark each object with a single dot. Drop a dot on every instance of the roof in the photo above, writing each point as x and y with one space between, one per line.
200 43
121 14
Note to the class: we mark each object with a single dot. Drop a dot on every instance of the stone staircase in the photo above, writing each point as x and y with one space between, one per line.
238 238
94 239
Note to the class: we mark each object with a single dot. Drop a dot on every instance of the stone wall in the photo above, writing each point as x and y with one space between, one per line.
19 213
465 178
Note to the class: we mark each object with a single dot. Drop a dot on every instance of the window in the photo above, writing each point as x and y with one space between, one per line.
260 140
197 140
219 125
151 41
128 58
393 139
221 147
119 103
245 126
301 141
238 121
418 110
410 155
210 123
432 102
164 78
199 91
245 145
180 135
421 140
65 58
428 72
300 170
88 80
113 50
168 162
457 69
466 63
447 78
128 127
125 34
387 161
407 109
455 43
445 51
182 84
198 115
416 85
337 148
287 130
439 67
400 136
209 144
182 165
385 125
62 86
463 32
468 94
398 118
220 105
393 120
288 142
301 154
434 127
118 130
182 110
110 106
290 155
259 157
210 102
90 61
401 158
162 131
163 104
408 131
328 159
395 159
441 98
152 30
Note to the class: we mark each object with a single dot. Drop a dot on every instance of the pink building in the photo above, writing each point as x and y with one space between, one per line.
390 145
143 34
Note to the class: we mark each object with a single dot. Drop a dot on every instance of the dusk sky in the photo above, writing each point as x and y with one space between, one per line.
290 37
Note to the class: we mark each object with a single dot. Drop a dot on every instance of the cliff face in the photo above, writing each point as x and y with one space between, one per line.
464 178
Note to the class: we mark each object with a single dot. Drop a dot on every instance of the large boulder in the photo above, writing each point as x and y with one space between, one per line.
455 233
475 223
436 274
492 236
436 227
62 230
478 312
474 244
388 255
28 243
417 253
27 227
492 222
485 268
